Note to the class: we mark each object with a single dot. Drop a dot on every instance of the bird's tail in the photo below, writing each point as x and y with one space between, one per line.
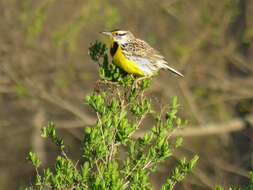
172 70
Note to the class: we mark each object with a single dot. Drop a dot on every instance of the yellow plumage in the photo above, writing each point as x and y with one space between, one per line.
127 65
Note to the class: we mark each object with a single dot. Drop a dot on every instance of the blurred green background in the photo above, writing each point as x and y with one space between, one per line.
45 73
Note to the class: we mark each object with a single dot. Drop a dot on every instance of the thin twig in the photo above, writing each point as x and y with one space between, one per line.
138 124
99 170
101 129
130 173
147 165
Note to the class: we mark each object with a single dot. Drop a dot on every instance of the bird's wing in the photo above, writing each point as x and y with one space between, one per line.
143 54
141 48
147 67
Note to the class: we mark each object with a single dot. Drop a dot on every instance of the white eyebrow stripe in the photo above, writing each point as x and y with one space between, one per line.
122 34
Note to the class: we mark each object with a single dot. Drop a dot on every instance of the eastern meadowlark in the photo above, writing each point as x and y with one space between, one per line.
136 56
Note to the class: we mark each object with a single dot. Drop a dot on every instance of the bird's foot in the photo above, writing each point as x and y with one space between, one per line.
135 84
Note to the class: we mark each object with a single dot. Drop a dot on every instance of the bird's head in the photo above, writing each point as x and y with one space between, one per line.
120 36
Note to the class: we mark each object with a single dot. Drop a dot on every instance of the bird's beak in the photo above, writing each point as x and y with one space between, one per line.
107 33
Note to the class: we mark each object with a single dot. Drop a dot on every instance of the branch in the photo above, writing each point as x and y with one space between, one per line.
66 105
209 129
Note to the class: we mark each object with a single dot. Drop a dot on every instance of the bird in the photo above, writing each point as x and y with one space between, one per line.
136 56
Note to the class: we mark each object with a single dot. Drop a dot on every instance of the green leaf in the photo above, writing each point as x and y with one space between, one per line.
178 122
32 157
193 162
251 176
179 141
44 132
97 50
218 188
174 102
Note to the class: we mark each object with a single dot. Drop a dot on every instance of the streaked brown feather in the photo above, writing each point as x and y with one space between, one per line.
141 48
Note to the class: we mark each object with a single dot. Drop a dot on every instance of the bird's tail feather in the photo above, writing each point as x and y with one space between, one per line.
174 71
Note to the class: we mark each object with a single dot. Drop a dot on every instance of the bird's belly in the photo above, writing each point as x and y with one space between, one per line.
126 64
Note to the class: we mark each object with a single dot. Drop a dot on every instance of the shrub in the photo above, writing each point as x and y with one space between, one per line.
121 106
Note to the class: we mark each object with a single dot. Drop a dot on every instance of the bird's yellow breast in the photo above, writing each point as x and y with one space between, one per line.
126 64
